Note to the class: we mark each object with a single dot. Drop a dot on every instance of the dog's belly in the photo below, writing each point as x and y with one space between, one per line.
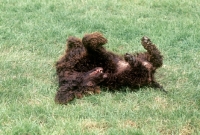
122 66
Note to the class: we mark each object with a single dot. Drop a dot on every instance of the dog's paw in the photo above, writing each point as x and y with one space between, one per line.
146 42
94 40
73 42
129 58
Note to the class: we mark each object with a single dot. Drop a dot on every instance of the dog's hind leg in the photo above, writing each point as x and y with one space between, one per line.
155 56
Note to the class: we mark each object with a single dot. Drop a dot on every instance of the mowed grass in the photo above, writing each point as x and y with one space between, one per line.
33 35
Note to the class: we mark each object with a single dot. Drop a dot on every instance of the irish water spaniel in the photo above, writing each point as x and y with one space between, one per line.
83 56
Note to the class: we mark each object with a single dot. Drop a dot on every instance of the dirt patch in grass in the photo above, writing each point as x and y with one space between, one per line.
186 130
127 124
94 126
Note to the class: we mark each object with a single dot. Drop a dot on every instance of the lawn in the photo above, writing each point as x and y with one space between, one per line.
33 36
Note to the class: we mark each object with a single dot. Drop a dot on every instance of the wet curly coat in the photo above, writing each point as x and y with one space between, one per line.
132 70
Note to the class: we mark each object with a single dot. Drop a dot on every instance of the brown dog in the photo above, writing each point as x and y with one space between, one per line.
132 70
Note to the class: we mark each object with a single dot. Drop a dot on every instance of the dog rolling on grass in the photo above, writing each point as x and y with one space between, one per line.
86 60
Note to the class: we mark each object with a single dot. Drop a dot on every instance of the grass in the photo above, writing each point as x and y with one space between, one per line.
33 36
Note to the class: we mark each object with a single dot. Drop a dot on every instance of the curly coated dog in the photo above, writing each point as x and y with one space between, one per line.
114 71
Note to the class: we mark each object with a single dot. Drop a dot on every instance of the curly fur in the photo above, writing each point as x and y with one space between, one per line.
76 84
132 70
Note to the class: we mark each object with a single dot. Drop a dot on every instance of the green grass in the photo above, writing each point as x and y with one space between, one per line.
33 36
